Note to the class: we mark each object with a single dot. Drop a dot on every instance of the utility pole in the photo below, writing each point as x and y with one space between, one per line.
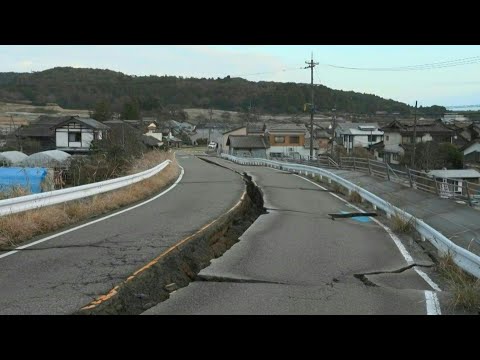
210 112
334 124
311 65
412 165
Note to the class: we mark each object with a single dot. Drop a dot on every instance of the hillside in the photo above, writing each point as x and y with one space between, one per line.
82 88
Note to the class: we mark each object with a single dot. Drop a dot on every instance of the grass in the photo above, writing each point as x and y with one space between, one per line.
401 225
14 191
17 228
464 287
355 197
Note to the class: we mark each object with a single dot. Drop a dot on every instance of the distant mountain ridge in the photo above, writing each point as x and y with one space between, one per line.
83 88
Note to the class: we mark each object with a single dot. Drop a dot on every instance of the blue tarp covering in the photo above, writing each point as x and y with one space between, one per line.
29 178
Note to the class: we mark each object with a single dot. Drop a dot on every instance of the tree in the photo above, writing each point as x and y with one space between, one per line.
432 155
131 110
102 111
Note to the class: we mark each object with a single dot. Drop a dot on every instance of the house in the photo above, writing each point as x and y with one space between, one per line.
471 152
75 134
223 147
152 131
39 135
247 146
287 140
122 132
322 140
399 134
358 135
454 179
258 130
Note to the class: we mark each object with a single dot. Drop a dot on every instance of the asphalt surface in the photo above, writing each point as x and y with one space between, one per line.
62 275
458 222
296 260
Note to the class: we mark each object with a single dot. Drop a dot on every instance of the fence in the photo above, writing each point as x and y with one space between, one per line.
462 257
444 188
29 202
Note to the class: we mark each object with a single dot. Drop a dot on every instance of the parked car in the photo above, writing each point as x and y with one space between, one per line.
212 145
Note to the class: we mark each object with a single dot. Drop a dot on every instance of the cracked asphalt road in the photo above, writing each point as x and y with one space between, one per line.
65 273
296 260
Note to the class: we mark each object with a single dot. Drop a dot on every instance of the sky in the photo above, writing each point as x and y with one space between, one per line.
445 86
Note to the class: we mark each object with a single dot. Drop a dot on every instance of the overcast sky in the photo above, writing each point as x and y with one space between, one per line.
449 85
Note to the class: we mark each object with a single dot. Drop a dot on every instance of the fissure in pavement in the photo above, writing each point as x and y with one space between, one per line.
181 265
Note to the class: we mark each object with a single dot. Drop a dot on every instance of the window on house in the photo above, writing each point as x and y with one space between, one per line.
407 139
279 139
74 137
395 157
387 137
380 155
294 139
372 138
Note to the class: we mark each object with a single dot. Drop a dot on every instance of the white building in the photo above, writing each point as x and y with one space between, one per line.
75 135
358 135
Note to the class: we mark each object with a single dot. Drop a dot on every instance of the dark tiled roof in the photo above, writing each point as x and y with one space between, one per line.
91 123
247 142
229 131
42 127
285 128
422 127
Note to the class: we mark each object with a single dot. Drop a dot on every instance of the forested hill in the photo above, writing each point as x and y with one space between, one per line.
83 88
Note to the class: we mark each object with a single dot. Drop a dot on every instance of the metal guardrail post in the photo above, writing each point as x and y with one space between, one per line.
410 177
437 191
369 167
467 260
468 194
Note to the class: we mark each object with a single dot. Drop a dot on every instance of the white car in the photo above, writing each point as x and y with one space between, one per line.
212 145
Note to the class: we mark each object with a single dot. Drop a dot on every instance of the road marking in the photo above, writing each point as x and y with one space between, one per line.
427 279
97 220
433 306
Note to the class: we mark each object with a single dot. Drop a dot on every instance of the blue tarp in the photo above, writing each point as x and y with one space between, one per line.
29 178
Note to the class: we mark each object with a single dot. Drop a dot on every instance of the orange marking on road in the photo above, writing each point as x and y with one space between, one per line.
114 291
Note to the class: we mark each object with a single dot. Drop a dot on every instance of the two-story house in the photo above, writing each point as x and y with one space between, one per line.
287 140
399 135
75 134
353 135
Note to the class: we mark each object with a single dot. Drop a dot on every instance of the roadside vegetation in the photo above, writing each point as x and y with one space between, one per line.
17 228
465 288
400 225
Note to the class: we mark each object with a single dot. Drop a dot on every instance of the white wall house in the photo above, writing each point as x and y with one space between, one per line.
358 135
76 134
398 136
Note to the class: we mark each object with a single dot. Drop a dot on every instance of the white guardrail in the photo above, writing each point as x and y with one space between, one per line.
29 202
467 260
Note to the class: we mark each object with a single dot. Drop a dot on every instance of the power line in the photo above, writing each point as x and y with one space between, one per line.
268 72
428 66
